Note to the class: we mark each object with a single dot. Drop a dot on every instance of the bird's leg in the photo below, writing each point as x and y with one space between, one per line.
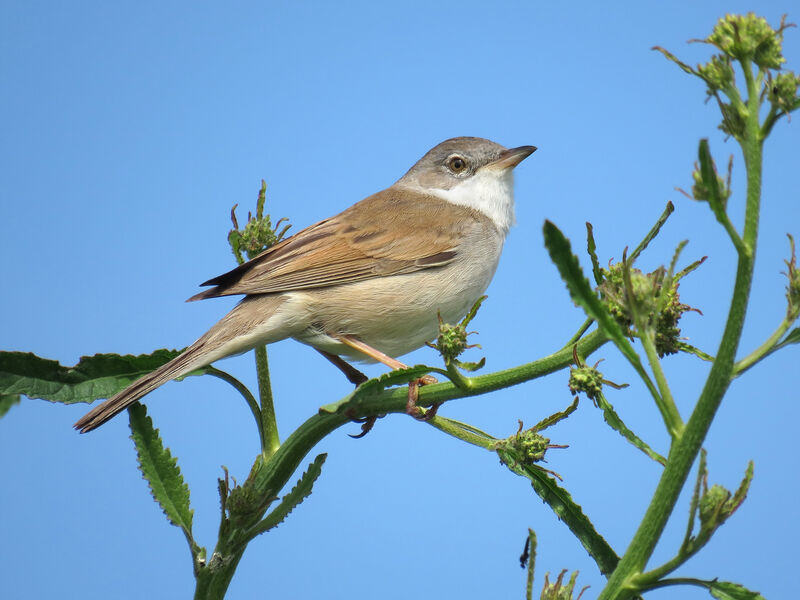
413 386
353 375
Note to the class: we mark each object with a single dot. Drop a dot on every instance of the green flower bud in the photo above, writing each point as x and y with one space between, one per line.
527 446
700 191
712 504
558 590
782 90
452 341
661 308
586 379
717 73
614 293
258 235
748 37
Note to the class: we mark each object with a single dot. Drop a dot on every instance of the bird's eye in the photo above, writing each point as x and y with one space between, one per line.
456 164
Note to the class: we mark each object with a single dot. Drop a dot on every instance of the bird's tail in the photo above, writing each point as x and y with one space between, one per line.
249 324
189 360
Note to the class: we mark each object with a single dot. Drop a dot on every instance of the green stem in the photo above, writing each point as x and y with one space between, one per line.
580 332
463 431
647 580
213 579
270 441
764 349
679 581
661 394
242 389
723 218
622 585
271 475
667 404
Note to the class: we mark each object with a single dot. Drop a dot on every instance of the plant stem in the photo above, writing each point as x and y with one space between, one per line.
667 404
621 585
214 579
578 334
248 396
270 441
463 432
272 475
764 349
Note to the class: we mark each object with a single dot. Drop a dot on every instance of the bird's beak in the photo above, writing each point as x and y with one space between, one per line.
511 157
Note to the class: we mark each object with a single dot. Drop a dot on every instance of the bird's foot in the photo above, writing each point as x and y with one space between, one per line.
417 412
367 423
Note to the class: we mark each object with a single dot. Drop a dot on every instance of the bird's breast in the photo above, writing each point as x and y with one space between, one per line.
399 313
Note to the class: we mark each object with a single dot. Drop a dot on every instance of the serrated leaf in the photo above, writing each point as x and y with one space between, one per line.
591 248
581 292
689 349
471 366
616 423
299 492
98 376
670 208
160 469
555 418
567 510
725 590
675 59
709 176
7 401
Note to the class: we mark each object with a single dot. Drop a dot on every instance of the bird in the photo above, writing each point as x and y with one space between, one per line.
370 283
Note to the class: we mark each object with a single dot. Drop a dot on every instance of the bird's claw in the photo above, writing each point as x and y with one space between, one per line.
367 423
417 412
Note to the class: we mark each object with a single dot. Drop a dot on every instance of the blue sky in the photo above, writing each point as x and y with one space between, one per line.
129 132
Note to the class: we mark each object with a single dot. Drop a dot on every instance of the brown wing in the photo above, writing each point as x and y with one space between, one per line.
388 233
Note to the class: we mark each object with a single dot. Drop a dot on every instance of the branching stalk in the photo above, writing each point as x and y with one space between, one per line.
622 585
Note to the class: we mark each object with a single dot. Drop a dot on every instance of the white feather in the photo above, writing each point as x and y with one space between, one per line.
491 191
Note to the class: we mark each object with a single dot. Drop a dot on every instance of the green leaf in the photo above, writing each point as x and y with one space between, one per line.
725 590
581 292
591 248
670 208
559 416
471 366
615 422
300 492
160 469
674 59
709 175
571 513
98 376
6 402
689 349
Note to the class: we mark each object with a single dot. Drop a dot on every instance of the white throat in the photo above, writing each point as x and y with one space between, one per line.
488 191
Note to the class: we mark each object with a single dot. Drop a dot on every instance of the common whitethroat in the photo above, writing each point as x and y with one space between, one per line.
368 283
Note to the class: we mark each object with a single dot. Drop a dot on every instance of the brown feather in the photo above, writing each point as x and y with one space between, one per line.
418 232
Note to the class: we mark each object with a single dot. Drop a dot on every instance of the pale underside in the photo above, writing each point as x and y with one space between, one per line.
380 274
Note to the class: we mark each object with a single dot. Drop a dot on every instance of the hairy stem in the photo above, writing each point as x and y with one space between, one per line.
269 426
622 585
764 349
